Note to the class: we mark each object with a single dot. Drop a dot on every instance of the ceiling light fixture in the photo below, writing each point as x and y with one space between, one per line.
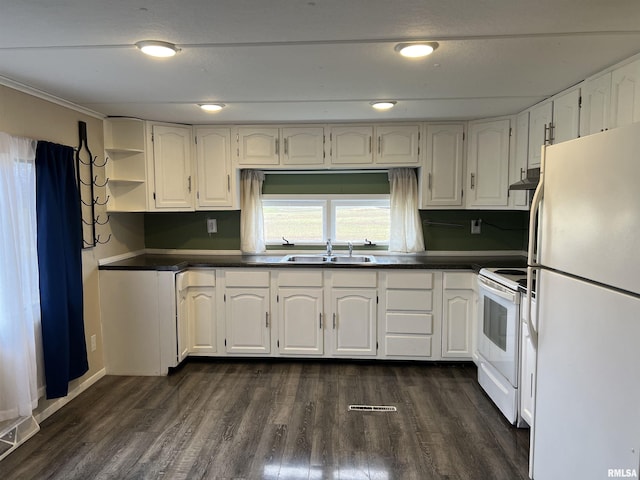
385 105
156 48
212 107
416 49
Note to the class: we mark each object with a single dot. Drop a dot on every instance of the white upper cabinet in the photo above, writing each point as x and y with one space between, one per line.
216 188
126 169
352 144
275 146
625 95
566 116
303 146
518 170
258 146
397 144
382 145
487 182
540 118
442 175
172 167
596 99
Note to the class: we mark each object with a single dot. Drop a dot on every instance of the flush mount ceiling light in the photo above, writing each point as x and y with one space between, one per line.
416 49
211 107
156 48
385 105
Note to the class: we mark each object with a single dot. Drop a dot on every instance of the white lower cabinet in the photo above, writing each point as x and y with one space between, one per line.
247 312
409 321
138 311
300 300
197 318
458 315
352 313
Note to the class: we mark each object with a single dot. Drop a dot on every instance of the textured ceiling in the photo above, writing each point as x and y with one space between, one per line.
322 60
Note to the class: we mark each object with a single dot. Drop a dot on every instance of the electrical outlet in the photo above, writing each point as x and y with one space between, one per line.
475 226
93 343
212 225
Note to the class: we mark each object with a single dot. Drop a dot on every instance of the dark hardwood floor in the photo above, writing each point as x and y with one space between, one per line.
278 420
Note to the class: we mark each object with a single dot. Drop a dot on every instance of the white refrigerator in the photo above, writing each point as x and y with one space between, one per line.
587 262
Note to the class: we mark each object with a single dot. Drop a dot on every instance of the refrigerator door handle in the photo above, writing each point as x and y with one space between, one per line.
531 251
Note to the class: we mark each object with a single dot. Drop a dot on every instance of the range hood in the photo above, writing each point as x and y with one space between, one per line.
530 182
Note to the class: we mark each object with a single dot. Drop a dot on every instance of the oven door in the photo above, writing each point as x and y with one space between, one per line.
498 323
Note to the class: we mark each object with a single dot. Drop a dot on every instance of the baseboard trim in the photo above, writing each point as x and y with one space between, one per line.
61 402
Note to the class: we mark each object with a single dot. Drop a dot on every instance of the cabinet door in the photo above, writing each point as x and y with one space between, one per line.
398 144
258 146
182 317
303 146
213 159
594 115
539 120
488 177
625 95
247 320
519 170
300 319
351 144
457 319
201 312
566 116
353 322
172 167
443 182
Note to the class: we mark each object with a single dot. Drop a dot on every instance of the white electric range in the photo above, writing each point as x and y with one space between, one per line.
500 294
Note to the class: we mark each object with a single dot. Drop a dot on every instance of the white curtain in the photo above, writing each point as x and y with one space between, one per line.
406 227
251 217
19 292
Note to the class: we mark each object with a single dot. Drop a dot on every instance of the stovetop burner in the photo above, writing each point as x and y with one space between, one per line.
507 271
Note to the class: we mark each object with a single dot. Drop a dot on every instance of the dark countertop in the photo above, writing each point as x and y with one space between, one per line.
180 262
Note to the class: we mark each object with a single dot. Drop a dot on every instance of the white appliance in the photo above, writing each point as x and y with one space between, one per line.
499 337
587 405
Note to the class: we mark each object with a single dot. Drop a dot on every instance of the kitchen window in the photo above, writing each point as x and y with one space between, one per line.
313 219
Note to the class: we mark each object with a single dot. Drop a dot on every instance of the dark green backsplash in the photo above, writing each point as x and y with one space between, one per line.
501 230
371 183
451 229
188 230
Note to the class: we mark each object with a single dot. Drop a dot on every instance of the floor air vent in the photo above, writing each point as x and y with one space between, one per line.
372 408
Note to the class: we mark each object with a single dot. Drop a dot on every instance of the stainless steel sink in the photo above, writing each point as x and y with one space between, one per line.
305 259
353 259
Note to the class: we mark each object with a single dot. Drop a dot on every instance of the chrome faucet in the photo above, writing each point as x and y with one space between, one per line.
329 247
350 249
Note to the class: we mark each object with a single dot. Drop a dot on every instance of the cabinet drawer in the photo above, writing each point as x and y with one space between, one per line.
246 278
408 346
200 278
410 300
418 279
298 278
459 280
421 323
354 278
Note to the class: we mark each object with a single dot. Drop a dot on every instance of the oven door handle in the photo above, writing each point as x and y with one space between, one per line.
505 295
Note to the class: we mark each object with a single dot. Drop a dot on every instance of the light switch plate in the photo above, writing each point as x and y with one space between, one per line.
212 225
475 226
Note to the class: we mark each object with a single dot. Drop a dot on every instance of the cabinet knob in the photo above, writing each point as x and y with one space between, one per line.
320 319
334 321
